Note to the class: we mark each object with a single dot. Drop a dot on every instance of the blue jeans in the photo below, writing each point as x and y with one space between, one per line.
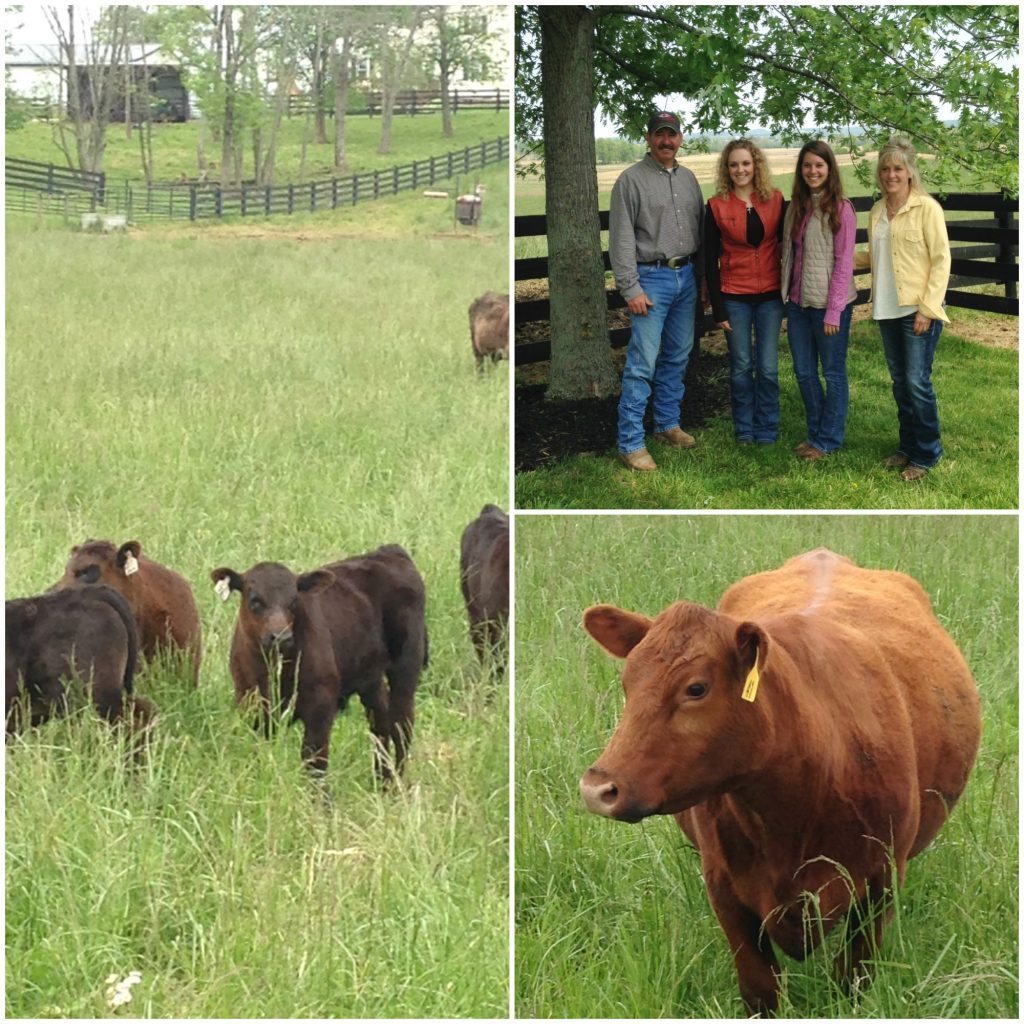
809 345
910 356
659 349
755 399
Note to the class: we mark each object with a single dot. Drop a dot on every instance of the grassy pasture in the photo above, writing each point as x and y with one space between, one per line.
298 157
612 920
295 391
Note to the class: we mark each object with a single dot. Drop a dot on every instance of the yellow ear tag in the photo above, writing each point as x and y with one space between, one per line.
750 686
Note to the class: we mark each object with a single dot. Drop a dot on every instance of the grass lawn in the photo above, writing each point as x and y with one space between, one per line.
978 401
613 921
293 391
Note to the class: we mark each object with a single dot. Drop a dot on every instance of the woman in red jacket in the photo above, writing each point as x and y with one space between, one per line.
742 235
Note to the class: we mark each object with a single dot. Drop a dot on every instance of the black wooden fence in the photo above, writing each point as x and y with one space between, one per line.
991 257
37 177
194 201
415 101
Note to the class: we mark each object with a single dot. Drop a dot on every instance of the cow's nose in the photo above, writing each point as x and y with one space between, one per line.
277 639
600 794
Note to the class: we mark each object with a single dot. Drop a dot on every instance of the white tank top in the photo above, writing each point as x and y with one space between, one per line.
884 301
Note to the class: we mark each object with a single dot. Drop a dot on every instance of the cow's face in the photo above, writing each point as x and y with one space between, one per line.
685 733
271 596
98 561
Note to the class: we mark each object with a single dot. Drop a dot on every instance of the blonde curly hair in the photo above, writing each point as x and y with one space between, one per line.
763 186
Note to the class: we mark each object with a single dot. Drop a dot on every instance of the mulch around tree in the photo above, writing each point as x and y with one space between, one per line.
548 431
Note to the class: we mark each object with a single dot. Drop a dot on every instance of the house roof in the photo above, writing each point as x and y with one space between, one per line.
50 55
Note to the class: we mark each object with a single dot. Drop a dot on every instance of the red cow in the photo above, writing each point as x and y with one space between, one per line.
161 600
342 628
484 578
819 723
488 328
56 638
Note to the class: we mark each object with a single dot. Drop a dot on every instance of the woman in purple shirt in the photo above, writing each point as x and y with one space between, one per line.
817 284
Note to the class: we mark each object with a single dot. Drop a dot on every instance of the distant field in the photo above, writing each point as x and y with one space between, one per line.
298 157
294 391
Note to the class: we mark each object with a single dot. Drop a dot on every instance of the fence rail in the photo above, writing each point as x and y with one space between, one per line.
991 257
414 101
195 201
40 177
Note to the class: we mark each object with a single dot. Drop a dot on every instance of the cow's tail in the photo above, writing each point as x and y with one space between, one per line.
426 647
120 605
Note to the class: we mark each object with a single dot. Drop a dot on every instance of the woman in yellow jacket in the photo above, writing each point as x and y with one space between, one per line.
908 252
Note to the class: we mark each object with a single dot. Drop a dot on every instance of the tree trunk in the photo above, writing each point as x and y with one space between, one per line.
581 361
445 67
342 65
320 59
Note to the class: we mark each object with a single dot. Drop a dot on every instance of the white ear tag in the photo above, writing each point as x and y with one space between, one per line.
131 564
222 588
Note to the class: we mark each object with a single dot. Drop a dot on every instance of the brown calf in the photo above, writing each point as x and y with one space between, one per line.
488 328
809 735
343 628
162 601
56 638
484 578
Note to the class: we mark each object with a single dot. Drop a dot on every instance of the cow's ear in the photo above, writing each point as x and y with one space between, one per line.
315 581
129 547
617 631
227 576
751 647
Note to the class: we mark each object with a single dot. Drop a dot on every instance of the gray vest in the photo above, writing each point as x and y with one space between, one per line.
818 261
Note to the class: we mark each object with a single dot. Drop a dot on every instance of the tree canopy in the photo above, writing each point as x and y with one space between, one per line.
943 77
857 74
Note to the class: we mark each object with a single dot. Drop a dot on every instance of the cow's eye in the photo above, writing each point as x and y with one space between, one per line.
696 690
88 575
256 603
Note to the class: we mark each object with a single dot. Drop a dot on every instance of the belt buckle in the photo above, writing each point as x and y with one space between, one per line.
676 262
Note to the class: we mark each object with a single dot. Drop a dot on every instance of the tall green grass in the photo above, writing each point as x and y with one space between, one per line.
227 397
613 921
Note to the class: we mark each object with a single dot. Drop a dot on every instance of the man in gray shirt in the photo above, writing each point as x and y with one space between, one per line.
655 233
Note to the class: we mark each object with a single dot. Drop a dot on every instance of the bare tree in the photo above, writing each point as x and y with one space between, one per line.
92 79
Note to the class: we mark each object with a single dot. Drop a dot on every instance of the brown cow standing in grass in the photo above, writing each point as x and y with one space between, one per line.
820 722
483 574
59 638
488 328
344 628
162 601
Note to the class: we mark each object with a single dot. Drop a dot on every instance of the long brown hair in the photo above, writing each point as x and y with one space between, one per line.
832 197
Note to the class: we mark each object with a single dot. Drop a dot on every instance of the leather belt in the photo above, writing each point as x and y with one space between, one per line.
673 264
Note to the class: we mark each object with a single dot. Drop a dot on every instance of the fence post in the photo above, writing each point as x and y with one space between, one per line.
334 193
1005 258
455 102
241 203
413 111
102 191
355 189
376 184
192 202
497 101
291 198
312 196
394 181
49 178
268 201
218 201
433 171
